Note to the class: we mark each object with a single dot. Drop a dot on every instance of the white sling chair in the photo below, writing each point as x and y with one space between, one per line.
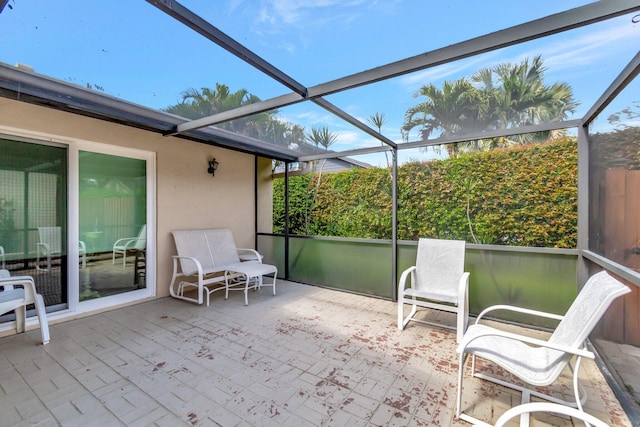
51 245
547 407
438 281
535 361
121 246
16 294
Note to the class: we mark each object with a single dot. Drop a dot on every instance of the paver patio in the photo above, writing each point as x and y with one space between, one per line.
306 357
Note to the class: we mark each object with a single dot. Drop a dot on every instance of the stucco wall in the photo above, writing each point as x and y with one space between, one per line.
187 196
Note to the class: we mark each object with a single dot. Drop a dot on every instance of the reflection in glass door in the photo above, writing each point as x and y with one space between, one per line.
112 221
33 217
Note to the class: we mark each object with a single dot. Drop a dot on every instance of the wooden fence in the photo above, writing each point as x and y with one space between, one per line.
615 233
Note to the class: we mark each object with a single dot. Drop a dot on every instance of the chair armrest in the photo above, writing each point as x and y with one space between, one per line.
402 283
44 246
195 261
82 246
463 287
466 340
249 254
518 310
120 242
26 282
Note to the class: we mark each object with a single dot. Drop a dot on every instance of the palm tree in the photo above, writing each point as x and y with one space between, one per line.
207 102
521 98
450 110
378 120
319 136
505 96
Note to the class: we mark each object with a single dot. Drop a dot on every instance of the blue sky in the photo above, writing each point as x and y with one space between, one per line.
135 52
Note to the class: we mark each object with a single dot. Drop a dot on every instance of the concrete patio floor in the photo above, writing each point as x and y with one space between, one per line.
306 357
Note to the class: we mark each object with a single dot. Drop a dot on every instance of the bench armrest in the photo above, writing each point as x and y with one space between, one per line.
246 254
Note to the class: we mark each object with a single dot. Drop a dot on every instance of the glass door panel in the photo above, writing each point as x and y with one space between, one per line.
33 216
112 224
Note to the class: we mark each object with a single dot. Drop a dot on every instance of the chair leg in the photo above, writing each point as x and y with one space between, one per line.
463 358
462 320
402 320
21 318
42 318
577 386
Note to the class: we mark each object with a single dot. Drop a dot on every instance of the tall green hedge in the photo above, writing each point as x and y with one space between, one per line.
524 196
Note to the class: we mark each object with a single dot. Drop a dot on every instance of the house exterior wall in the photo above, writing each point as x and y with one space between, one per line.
187 196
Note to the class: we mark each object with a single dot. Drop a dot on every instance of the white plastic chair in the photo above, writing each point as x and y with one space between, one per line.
437 281
17 293
50 245
535 361
121 246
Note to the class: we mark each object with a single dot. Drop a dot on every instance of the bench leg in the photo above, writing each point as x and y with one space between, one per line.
246 290
274 283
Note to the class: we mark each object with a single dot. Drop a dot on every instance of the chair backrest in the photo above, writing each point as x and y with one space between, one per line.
587 309
212 248
141 243
4 273
52 236
439 265
223 246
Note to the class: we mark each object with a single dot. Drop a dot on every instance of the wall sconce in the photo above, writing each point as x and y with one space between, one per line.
213 166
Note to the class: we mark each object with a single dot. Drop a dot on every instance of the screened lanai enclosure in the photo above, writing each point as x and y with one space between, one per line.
368 125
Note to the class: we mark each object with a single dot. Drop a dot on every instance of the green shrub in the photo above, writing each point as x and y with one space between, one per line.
524 196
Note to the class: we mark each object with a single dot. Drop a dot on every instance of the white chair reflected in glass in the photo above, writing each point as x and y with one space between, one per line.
50 245
124 245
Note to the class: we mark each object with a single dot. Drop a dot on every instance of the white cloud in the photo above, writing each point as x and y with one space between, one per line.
450 71
563 51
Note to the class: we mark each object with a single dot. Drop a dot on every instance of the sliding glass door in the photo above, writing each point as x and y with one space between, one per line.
77 217
112 224
33 216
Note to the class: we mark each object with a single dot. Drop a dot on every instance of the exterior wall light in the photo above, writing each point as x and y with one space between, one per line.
213 166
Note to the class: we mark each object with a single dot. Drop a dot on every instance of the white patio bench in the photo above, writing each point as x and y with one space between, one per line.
209 261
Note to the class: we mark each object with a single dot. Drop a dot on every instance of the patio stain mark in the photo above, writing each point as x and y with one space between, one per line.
361 339
193 418
158 366
382 338
204 352
333 377
401 404
179 370
273 410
